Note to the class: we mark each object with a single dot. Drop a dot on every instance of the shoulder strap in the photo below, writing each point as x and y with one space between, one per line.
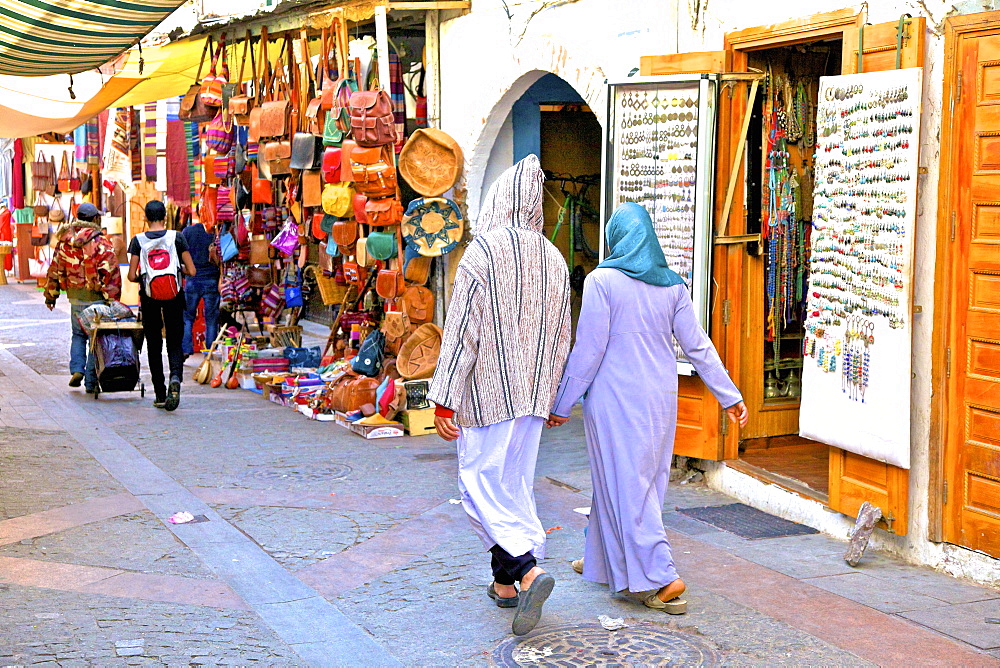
204 52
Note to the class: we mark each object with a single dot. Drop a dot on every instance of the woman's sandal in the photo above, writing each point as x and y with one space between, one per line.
501 602
675 606
577 565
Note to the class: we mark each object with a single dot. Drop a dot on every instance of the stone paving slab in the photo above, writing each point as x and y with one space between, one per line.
60 519
966 621
873 593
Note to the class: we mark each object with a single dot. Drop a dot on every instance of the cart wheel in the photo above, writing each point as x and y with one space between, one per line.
142 389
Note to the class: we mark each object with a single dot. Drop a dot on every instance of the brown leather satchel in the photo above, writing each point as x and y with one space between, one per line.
240 105
390 284
349 393
193 108
274 119
278 155
418 304
374 174
259 250
372 120
384 212
345 232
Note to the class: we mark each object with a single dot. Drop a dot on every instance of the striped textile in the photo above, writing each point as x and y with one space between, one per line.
80 144
45 37
507 334
162 116
135 143
194 158
93 142
398 97
149 140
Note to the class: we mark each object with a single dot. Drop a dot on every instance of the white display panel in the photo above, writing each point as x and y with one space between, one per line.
857 346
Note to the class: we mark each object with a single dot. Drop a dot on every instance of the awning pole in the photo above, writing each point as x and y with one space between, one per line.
382 46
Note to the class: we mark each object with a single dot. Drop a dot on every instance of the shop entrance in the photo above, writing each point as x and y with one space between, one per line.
779 193
552 121
971 255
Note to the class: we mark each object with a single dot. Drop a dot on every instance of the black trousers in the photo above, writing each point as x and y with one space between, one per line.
507 569
158 315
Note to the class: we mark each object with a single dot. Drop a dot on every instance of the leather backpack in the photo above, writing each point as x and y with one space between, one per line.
373 172
372 120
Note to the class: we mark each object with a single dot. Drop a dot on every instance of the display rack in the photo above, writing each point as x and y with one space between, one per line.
857 346
660 153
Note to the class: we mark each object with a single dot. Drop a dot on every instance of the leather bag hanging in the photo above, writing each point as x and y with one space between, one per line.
259 86
312 189
331 164
418 304
262 191
43 175
345 232
239 103
373 122
278 155
67 182
218 76
193 108
274 118
386 212
307 151
338 199
373 172
260 250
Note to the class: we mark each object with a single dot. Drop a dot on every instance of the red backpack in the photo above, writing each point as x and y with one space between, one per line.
160 265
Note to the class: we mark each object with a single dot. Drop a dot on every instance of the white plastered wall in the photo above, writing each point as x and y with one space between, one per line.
491 55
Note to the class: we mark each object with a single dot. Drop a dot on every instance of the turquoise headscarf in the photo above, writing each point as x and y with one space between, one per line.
633 248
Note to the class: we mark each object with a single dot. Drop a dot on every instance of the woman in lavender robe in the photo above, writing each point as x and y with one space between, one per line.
624 365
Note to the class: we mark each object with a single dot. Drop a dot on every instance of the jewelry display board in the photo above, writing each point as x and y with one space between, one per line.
856 367
660 145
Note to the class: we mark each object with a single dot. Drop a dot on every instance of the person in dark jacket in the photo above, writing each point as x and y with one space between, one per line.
203 287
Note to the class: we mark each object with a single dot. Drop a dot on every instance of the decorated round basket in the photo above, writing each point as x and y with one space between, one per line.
431 162
433 226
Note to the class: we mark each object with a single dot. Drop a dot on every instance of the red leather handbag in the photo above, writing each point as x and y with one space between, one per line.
331 164
360 202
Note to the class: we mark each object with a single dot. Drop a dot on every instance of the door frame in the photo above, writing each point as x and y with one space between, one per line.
956 28
743 348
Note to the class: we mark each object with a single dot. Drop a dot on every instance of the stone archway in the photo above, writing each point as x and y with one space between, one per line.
533 61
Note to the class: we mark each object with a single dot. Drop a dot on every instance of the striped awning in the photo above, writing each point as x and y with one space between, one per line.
41 37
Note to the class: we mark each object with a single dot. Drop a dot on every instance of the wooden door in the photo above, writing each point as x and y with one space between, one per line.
855 479
700 420
972 357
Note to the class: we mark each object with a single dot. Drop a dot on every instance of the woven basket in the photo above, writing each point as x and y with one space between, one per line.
431 162
330 291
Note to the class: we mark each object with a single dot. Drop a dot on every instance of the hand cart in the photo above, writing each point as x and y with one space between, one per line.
116 347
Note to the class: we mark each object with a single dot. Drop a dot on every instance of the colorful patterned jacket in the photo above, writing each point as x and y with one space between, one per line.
73 268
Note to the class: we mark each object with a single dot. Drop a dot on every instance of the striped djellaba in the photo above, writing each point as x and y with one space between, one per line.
507 334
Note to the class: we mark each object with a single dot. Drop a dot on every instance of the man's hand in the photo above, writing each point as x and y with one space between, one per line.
555 421
739 414
446 428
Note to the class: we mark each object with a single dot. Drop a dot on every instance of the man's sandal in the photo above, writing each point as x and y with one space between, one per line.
501 601
529 607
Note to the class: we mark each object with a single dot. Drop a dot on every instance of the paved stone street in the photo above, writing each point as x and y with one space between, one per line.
322 548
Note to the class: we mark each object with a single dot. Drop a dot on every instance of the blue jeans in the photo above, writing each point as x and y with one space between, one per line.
80 358
194 292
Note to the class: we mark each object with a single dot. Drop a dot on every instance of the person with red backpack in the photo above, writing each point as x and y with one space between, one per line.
158 258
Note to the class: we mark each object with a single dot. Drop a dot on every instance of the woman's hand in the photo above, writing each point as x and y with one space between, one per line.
555 421
446 428
739 414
